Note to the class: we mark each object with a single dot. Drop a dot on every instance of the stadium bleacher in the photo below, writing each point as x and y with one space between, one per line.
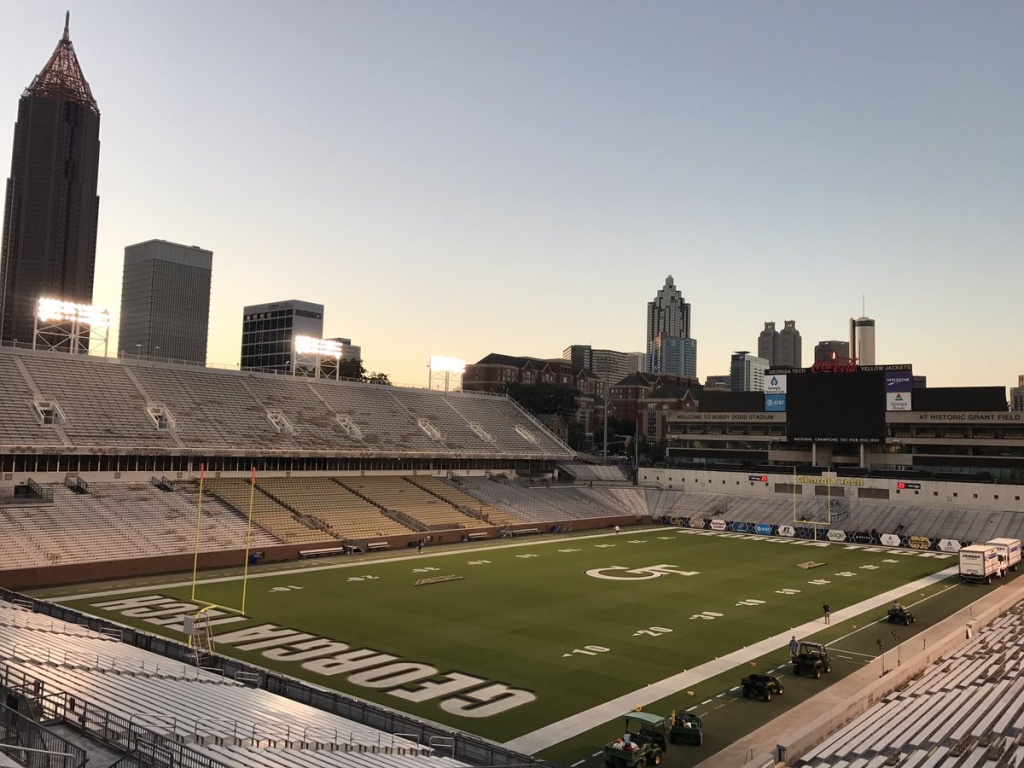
105 403
965 710
47 660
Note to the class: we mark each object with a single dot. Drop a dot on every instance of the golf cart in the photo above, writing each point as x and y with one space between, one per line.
643 744
812 660
686 729
900 614
761 687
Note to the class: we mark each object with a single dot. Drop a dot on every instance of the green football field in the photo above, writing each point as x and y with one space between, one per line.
506 639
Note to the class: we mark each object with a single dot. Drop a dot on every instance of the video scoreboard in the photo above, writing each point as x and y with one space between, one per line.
838 401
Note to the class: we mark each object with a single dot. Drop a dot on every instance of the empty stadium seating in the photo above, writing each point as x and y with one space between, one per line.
399 495
268 514
105 403
965 710
117 521
210 715
346 515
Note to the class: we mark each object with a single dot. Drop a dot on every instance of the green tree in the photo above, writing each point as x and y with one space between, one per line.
354 369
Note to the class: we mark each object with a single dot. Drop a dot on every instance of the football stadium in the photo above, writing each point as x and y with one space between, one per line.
204 567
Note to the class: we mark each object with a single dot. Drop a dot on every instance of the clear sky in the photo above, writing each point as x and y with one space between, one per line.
458 178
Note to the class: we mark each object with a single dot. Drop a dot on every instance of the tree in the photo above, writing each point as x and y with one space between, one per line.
354 369
544 398
351 369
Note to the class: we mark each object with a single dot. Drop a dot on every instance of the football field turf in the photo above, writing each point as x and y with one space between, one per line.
525 633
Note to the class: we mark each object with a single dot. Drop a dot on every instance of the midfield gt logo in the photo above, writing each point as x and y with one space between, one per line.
639 574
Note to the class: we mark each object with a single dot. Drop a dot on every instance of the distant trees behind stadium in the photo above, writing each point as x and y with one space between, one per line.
543 398
354 369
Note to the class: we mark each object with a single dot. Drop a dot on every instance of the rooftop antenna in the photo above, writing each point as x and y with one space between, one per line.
67 22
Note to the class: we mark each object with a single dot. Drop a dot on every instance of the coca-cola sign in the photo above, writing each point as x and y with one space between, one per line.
836 365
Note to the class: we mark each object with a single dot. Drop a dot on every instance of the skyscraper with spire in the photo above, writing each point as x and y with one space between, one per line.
670 349
51 207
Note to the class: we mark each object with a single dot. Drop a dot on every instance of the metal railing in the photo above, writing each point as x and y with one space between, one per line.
32 745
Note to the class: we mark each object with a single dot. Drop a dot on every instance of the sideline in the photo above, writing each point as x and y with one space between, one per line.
581 722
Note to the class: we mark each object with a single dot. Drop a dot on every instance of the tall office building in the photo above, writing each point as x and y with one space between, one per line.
862 340
782 349
606 363
165 301
830 350
766 341
268 331
674 355
789 346
746 372
668 317
636 361
1017 395
51 210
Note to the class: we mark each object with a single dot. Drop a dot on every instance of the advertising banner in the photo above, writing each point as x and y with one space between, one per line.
896 381
787 530
837 535
775 384
949 545
774 403
891 540
718 525
919 542
898 401
697 522
740 527
763 529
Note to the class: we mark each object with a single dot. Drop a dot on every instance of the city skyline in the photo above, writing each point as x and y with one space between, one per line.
506 202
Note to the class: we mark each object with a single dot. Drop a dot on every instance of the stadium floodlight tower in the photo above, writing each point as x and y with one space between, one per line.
317 357
63 326
441 370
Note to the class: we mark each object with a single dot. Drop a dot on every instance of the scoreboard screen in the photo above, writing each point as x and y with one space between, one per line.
836 407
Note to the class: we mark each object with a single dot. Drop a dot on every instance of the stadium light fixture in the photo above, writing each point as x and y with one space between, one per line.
67 326
442 368
447 364
57 311
308 345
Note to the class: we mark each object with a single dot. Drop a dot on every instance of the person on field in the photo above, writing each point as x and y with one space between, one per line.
825 609
616 529
794 647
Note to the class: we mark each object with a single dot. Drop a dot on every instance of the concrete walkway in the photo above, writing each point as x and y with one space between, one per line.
549 735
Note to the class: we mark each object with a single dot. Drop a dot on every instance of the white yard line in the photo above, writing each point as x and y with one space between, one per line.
581 722
410 557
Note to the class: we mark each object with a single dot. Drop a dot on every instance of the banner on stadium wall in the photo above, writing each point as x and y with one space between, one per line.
891 540
697 522
949 545
740 527
919 542
861 537
718 525
763 529
787 530
835 535
899 381
835 509
898 401
775 384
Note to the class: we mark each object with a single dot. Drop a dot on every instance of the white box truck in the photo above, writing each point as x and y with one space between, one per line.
1009 553
979 562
